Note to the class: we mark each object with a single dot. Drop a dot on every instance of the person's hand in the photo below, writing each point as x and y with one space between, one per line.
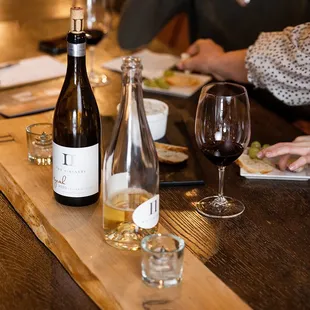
210 58
204 57
300 146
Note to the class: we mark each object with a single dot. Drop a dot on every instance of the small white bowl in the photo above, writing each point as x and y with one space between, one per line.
157 116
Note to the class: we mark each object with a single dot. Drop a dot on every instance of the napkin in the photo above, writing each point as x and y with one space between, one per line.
31 70
154 64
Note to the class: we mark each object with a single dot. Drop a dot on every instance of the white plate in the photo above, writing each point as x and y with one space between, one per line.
278 175
181 91
154 64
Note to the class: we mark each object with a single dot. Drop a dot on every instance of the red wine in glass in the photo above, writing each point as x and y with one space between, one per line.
94 36
222 153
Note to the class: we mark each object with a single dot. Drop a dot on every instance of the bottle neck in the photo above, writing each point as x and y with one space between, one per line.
132 76
76 65
131 80
76 49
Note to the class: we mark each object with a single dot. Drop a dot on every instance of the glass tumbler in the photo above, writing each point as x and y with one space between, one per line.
39 142
162 260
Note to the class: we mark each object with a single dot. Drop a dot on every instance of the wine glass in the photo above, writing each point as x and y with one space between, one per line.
222 131
98 22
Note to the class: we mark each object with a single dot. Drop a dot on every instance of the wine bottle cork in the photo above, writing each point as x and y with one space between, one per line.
77 17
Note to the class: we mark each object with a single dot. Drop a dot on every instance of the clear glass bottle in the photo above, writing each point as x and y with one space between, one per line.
131 169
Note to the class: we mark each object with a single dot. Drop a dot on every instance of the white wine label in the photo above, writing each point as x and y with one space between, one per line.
76 170
146 215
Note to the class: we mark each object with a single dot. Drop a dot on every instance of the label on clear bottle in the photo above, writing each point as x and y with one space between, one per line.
146 215
75 170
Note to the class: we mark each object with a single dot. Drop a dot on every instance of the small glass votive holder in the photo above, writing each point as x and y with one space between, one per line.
40 142
162 260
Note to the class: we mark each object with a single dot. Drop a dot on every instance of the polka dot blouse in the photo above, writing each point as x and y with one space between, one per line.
280 62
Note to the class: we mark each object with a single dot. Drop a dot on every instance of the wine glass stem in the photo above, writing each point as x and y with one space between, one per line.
92 60
221 183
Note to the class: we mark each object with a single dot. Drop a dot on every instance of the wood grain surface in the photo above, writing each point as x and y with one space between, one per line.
112 278
31 277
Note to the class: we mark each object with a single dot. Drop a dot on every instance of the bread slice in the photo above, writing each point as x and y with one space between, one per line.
182 80
171 154
254 165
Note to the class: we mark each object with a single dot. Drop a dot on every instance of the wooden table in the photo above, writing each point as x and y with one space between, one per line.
262 255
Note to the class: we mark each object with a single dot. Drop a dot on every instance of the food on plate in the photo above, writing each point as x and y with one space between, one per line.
168 73
265 146
255 147
171 154
158 82
182 80
253 152
251 163
256 144
254 165
171 78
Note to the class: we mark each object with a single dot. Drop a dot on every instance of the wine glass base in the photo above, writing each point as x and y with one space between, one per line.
97 80
220 207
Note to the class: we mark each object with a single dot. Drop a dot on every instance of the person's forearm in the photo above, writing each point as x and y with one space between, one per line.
231 66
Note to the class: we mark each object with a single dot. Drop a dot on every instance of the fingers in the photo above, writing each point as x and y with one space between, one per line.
193 63
302 139
300 162
283 162
191 51
285 148
194 48
300 146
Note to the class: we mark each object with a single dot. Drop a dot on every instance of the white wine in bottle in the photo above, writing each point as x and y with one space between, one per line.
131 170
76 128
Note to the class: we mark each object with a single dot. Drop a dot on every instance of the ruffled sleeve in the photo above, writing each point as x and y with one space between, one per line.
280 62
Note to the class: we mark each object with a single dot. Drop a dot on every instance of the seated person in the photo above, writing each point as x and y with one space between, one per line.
229 23
278 61
300 146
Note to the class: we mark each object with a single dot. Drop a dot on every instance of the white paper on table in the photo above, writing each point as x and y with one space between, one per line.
154 64
31 70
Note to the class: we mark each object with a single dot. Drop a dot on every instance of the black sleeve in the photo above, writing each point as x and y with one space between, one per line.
141 20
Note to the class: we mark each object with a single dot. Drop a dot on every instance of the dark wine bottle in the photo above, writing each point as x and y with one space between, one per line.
76 128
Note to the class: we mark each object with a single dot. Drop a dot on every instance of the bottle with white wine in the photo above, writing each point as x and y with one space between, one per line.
76 127
131 170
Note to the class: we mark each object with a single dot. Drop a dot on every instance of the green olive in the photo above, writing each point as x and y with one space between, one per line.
150 83
256 144
253 152
265 146
168 73
161 83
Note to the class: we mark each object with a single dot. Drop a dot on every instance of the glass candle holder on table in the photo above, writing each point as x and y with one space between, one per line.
162 260
39 142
